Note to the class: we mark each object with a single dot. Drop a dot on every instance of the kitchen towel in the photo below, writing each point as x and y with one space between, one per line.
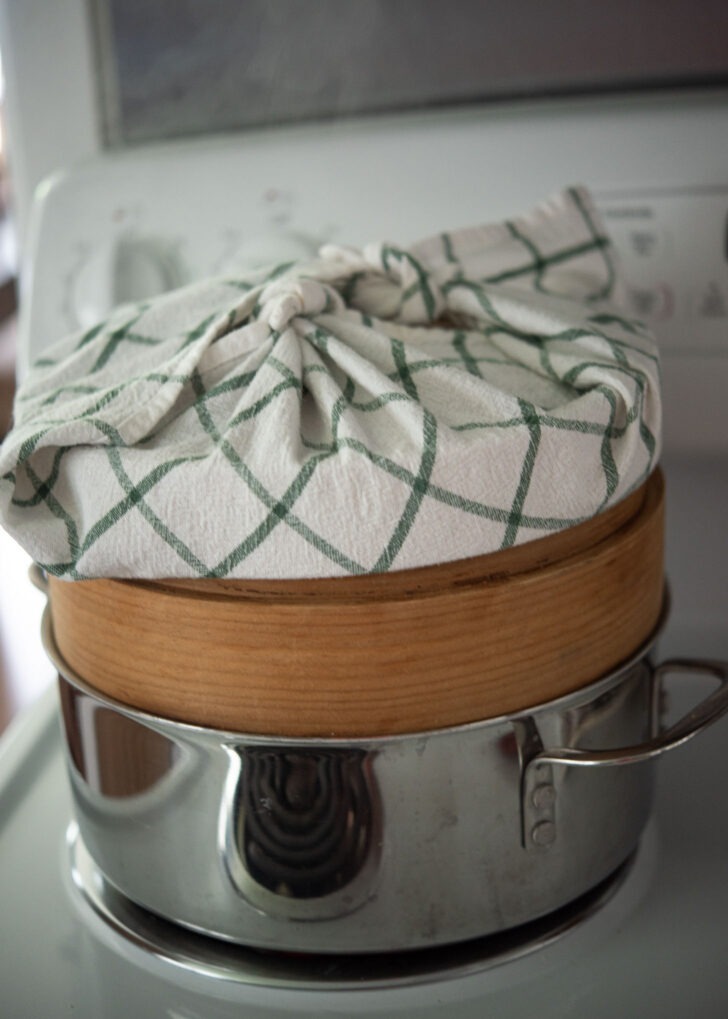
361 412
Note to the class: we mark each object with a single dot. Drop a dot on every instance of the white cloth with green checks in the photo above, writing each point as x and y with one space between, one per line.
362 412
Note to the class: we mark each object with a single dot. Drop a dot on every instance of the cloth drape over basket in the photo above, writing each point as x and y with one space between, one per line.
359 413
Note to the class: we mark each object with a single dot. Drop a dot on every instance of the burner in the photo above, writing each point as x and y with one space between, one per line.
207 956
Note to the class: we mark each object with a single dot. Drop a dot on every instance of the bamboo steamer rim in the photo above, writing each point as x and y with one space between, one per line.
379 654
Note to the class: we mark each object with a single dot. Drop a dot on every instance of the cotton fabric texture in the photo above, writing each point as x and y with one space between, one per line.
362 412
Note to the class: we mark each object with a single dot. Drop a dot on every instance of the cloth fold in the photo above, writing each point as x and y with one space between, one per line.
360 412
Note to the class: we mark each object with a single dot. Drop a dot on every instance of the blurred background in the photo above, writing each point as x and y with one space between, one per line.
81 78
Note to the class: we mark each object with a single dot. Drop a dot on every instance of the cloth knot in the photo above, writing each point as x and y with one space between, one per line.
285 299
389 283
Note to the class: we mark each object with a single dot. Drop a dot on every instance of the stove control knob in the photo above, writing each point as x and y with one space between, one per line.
123 270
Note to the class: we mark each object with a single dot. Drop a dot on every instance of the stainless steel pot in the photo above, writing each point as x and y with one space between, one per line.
371 845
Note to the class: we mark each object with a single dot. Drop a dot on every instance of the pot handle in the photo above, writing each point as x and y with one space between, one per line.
538 792
701 716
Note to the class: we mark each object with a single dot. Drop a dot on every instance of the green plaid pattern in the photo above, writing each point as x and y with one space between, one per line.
364 412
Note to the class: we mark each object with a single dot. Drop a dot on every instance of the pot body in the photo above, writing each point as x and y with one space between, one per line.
359 845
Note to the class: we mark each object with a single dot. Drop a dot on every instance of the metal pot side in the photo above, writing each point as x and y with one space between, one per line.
368 845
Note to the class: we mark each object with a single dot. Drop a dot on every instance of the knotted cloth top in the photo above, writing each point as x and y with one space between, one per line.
361 412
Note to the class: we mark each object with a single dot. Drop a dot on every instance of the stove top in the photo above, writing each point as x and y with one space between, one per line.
296 971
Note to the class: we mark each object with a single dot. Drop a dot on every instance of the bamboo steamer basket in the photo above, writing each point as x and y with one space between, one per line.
382 654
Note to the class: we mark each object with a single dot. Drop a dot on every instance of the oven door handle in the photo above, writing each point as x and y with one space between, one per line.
698 718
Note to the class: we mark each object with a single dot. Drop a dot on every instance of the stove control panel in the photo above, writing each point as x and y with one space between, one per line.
128 225
673 246
674 251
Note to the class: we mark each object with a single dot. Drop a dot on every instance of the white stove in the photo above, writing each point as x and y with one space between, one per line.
125 226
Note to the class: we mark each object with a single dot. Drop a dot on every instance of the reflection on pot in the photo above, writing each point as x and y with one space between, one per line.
303 825
113 755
